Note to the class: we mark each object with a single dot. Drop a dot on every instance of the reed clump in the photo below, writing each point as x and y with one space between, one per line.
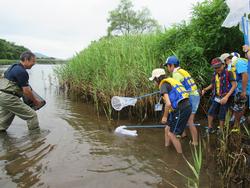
232 159
113 66
121 66
195 167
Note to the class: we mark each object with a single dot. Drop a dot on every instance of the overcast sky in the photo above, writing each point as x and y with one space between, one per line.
60 28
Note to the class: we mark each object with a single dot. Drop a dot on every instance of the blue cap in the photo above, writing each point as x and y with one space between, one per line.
172 60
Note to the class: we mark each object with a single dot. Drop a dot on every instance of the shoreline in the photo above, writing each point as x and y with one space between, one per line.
38 61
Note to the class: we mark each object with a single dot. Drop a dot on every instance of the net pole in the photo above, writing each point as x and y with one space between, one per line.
147 95
244 24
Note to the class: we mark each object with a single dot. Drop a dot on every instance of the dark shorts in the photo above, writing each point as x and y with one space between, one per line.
178 119
216 109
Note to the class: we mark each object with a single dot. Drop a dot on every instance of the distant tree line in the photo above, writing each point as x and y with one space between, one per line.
9 50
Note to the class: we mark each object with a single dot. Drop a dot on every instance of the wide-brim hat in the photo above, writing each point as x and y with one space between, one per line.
156 73
224 56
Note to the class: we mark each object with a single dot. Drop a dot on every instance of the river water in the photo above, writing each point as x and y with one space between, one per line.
75 148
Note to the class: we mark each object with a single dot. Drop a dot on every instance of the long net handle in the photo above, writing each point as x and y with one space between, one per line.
152 126
244 23
145 126
146 95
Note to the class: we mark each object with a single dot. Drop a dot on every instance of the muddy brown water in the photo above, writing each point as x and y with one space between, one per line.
75 148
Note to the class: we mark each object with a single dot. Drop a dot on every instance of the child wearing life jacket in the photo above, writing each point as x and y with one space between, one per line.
243 80
223 85
173 66
177 107
239 67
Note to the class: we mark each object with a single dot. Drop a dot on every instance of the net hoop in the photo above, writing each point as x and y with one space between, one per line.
119 103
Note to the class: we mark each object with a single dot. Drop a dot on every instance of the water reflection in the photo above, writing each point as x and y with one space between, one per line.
138 162
2 69
20 157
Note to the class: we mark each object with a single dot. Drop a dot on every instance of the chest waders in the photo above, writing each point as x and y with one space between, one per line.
11 105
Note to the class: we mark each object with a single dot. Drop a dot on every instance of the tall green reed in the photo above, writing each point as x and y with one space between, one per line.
195 168
121 66
114 66
231 158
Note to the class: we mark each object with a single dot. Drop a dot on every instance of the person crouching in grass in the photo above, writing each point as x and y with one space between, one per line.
223 85
177 107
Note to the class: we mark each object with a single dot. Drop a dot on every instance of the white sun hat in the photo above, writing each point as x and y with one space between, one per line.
156 73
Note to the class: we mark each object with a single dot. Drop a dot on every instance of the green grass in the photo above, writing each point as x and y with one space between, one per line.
121 66
50 61
195 167
38 61
231 158
7 61
117 66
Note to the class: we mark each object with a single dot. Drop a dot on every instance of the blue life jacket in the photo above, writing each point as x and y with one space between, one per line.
177 93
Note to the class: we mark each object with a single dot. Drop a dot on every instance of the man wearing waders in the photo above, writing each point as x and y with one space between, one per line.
173 66
13 86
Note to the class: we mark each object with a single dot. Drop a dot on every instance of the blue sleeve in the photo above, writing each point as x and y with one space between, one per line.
17 73
241 66
22 78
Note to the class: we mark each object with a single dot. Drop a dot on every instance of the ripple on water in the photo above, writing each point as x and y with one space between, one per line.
21 157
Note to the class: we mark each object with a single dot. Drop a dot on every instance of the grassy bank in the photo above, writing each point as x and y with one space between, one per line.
7 61
38 61
113 66
121 65
50 61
